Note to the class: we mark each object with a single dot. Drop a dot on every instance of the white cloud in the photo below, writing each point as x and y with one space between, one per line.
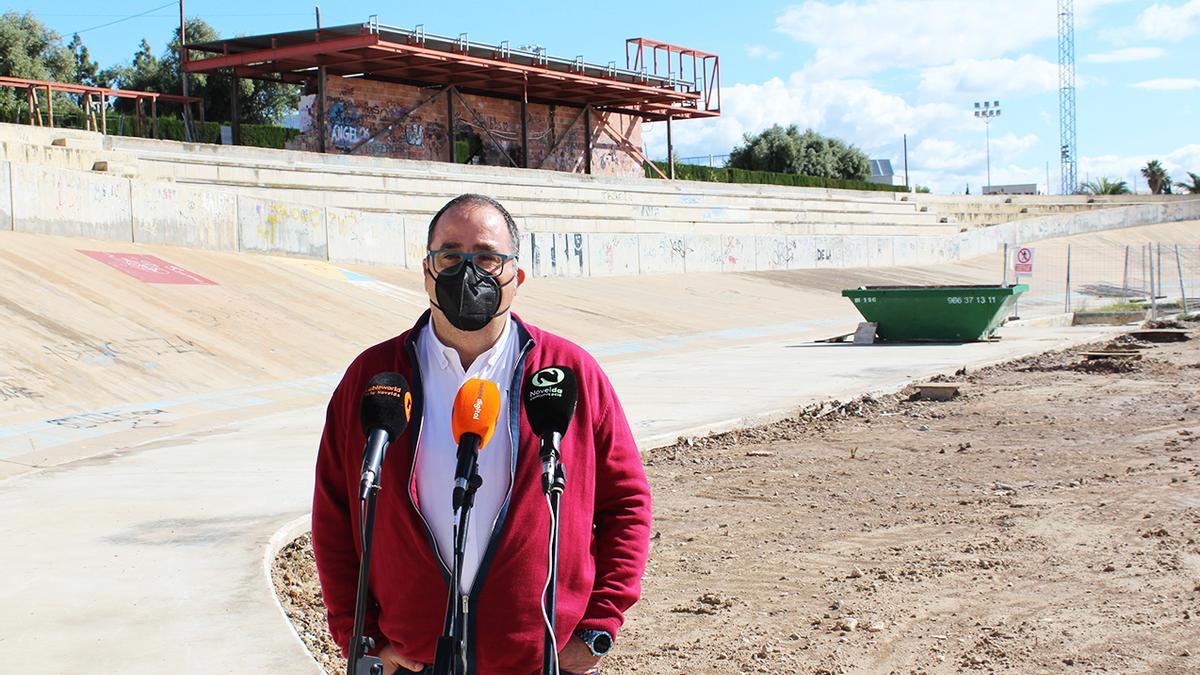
855 38
1170 22
1127 55
1128 168
852 110
1169 84
1028 74
761 52
941 155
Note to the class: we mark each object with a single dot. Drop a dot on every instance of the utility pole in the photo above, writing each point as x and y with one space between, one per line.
1066 95
183 78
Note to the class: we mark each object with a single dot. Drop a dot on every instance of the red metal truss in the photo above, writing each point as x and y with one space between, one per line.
70 88
32 89
412 57
698 70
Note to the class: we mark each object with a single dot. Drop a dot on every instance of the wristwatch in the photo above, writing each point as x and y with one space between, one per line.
599 641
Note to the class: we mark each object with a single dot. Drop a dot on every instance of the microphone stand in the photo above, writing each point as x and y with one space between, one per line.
554 481
360 663
451 655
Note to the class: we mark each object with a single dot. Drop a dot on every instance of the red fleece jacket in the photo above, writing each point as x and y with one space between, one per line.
604 532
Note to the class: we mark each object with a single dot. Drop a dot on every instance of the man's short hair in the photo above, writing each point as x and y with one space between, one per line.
477 200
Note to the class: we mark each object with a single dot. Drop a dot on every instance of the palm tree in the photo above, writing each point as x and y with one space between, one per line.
1156 177
1104 186
1194 187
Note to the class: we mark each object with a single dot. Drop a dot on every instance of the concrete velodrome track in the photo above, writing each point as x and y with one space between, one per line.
154 437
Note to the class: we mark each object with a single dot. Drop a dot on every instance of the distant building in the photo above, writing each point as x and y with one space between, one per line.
1015 189
882 173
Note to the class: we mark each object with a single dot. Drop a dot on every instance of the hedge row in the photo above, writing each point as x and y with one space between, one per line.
254 135
727 175
171 128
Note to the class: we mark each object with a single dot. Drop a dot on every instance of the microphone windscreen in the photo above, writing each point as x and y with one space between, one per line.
386 404
550 396
476 410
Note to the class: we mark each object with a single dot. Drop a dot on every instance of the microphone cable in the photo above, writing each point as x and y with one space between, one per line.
546 588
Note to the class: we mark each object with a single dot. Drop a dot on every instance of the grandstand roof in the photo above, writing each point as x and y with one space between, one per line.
377 52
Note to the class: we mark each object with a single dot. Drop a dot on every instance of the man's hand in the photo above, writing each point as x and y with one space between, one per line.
575 657
393 661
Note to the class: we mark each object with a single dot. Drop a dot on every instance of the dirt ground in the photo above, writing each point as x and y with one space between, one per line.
1045 520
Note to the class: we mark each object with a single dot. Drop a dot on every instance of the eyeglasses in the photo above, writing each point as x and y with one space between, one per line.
443 260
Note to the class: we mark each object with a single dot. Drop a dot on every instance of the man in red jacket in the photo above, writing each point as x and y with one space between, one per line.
472 278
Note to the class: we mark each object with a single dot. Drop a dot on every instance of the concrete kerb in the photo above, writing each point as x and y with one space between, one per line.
779 414
279 540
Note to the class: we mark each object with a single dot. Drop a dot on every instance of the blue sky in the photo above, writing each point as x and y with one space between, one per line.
867 71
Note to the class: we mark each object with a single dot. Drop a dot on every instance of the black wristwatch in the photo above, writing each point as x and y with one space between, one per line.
599 641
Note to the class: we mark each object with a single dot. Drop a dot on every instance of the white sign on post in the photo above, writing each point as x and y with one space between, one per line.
1023 262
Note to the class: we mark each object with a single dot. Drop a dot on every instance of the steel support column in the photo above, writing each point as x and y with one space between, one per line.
322 131
587 139
524 132
670 152
525 119
235 111
451 151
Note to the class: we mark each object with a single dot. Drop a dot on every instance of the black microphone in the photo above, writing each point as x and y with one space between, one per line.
384 411
550 397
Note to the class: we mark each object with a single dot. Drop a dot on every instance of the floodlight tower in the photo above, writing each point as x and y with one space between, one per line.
986 111
1066 95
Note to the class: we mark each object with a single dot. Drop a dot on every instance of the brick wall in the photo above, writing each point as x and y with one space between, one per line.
358 108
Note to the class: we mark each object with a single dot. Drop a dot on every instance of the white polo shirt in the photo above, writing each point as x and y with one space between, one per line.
437 452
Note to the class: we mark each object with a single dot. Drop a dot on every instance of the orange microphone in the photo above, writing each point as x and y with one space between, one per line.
476 411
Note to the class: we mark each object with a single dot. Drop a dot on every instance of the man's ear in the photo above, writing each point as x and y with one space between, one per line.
520 276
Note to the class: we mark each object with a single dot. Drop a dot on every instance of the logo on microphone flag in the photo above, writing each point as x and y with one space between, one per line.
547 377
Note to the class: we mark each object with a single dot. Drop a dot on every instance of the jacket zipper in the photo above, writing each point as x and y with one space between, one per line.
513 443
412 473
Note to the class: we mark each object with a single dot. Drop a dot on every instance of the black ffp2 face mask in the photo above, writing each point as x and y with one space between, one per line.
469 297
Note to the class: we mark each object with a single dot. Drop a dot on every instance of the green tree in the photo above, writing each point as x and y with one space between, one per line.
86 70
809 154
1156 177
1104 186
1193 187
260 103
29 49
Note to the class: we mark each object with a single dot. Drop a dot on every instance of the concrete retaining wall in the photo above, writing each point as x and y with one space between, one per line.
164 213
70 203
366 237
271 226
6 219
78 203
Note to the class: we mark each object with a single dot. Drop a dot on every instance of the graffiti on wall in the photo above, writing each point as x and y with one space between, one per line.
487 130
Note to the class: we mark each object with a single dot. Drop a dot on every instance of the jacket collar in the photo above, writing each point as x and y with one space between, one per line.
524 331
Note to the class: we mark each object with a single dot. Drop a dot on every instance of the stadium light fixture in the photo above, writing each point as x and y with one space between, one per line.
985 111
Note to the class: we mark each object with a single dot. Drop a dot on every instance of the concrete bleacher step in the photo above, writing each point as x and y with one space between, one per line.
115 168
696 206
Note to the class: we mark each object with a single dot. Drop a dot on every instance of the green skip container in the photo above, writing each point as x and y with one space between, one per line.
935 313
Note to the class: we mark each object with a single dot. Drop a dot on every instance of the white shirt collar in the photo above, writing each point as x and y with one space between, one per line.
447 355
